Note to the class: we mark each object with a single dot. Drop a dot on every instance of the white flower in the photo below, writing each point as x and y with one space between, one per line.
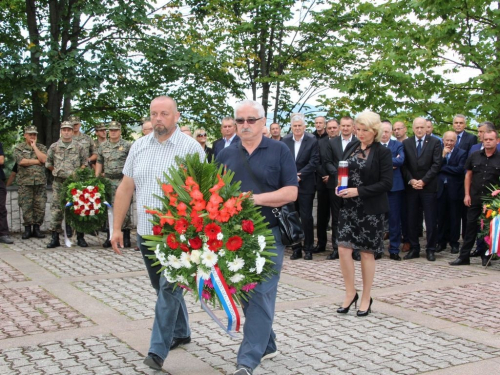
259 264
169 277
262 242
182 238
83 214
182 279
205 247
252 269
221 252
174 262
163 260
195 256
209 258
220 236
90 188
236 278
98 195
203 273
185 260
92 212
236 265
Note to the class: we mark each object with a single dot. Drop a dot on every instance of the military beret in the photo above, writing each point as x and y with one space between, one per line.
67 124
114 125
30 130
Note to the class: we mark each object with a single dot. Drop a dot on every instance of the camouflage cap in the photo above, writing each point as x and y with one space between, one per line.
67 124
114 125
30 130
101 126
74 120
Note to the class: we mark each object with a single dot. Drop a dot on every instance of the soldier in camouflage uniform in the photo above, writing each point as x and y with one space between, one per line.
30 157
83 140
63 158
112 155
100 132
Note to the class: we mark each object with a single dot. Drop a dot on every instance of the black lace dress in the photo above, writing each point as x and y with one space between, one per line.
357 230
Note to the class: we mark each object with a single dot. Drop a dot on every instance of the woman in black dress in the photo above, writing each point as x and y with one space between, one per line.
364 203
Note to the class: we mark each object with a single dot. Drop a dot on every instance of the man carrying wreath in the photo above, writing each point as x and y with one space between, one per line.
148 158
267 168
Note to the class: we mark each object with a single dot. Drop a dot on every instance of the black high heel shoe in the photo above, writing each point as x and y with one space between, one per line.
345 310
365 313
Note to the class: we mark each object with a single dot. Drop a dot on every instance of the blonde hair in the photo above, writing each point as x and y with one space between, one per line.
372 121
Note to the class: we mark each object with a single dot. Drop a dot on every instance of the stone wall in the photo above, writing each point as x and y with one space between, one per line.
14 214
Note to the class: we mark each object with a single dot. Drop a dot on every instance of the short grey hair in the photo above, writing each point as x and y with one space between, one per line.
298 117
250 103
489 125
460 116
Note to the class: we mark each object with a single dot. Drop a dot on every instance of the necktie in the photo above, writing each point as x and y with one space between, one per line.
385 144
419 148
458 139
448 157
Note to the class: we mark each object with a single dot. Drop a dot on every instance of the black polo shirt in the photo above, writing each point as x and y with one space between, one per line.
485 172
271 163
2 174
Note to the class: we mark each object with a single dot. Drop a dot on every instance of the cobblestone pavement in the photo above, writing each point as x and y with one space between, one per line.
89 311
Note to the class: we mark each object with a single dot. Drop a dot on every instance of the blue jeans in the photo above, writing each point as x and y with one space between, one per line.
171 316
258 334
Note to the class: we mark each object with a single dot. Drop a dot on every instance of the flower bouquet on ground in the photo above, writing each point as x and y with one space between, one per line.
490 221
84 201
209 237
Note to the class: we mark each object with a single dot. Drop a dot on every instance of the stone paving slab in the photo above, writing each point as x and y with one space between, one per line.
76 261
32 310
319 341
10 274
388 272
475 305
99 355
134 296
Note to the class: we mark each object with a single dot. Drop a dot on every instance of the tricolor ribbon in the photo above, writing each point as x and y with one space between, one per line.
494 236
67 241
110 218
226 300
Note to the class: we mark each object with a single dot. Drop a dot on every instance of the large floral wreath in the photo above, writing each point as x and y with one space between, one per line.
207 227
84 201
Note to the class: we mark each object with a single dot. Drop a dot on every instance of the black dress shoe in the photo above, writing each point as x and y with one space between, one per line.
412 254
430 256
460 262
474 253
485 261
440 247
308 255
334 255
345 310
378 256
297 254
356 255
394 256
179 341
455 250
318 249
366 312
153 361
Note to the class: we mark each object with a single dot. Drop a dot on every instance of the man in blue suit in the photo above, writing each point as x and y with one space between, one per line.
305 151
229 136
397 192
483 127
450 193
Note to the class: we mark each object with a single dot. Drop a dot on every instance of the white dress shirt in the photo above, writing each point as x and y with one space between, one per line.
345 142
297 145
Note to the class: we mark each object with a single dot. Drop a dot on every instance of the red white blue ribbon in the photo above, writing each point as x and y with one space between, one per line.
494 236
226 300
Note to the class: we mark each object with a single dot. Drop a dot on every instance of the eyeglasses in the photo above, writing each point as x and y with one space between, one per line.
201 135
250 121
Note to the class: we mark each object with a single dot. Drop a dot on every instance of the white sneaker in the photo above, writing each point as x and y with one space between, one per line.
270 355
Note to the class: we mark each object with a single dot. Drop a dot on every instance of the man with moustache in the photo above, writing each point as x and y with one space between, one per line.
141 171
306 153
268 170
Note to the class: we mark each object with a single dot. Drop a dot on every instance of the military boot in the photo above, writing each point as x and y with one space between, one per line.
27 232
36 232
80 240
107 243
55 241
126 238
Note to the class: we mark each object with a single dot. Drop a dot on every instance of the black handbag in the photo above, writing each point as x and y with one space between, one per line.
288 219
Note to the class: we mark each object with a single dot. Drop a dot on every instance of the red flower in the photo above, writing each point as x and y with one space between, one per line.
198 205
172 241
247 226
98 200
196 221
168 219
212 230
181 226
234 243
195 243
73 191
96 188
224 215
156 230
181 209
167 189
184 248
87 212
97 212
214 245
196 195
191 182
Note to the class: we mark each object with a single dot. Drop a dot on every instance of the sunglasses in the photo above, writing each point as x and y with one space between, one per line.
201 135
251 121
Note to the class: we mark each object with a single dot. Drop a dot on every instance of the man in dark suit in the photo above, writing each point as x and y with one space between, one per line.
396 194
337 150
481 129
324 208
229 136
450 193
420 171
305 151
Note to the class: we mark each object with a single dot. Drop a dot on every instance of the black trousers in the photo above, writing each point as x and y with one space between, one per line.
449 218
304 206
335 207
322 216
4 226
429 203
473 213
